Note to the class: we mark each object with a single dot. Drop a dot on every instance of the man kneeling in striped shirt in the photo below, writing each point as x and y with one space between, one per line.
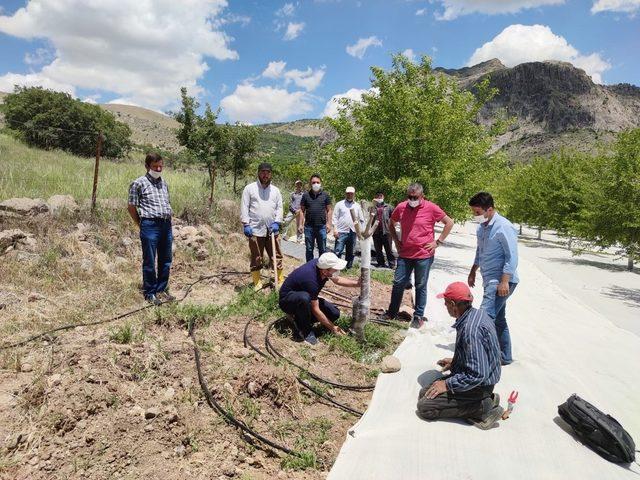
467 392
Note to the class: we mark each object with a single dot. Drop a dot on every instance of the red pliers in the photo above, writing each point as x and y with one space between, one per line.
511 403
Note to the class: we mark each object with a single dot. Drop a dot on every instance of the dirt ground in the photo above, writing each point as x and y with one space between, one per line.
122 399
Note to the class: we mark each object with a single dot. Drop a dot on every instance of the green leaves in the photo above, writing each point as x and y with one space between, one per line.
414 125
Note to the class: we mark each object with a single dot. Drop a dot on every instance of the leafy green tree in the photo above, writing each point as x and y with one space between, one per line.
243 146
208 142
50 120
610 215
414 125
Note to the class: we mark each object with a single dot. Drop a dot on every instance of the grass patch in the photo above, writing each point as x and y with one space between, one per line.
378 342
125 334
35 173
383 276
309 438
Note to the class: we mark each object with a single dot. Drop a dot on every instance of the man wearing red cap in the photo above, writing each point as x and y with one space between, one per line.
467 391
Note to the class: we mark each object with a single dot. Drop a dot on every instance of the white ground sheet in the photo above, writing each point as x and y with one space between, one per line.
567 338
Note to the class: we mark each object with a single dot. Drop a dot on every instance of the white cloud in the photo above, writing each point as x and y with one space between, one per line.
249 103
421 11
274 69
287 10
333 106
359 48
456 8
140 51
293 30
40 56
530 43
10 80
624 6
410 54
308 79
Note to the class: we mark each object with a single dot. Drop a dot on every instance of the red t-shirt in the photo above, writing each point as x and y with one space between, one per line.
417 227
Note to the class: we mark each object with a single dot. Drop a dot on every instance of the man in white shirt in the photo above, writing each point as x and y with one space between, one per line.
344 231
261 215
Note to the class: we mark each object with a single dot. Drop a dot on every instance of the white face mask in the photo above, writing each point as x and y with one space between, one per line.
479 218
316 187
414 203
155 175
379 201
335 274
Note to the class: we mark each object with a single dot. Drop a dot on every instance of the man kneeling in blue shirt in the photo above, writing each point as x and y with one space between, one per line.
467 392
299 295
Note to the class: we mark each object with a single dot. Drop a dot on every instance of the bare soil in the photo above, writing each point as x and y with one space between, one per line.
122 399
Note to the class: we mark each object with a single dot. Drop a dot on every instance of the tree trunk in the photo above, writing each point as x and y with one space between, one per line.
570 243
362 303
539 233
520 231
630 263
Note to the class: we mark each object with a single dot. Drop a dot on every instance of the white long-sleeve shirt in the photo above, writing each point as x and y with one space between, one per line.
260 207
342 220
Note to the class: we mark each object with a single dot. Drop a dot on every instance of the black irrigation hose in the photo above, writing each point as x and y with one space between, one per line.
113 319
216 406
301 381
272 350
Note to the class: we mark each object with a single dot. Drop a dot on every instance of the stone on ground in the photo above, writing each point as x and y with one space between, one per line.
390 364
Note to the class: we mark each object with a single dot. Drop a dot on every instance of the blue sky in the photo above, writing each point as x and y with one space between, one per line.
277 61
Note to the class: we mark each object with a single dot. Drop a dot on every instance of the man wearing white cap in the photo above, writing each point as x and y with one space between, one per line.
344 230
299 295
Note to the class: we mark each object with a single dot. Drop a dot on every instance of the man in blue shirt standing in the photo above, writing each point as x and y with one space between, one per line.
467 392
497 258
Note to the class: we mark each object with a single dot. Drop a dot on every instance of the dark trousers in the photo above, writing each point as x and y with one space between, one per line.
156 239
380 241
346 240
314 235
298 304
469 404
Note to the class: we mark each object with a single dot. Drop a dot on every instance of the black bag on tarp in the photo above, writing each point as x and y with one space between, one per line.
598 430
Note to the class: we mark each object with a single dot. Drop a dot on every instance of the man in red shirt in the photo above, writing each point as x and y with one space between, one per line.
416 248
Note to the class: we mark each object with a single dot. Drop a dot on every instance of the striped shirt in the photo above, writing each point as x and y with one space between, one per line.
476 360
150 197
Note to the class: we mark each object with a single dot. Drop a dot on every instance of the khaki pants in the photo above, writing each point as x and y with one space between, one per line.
257 245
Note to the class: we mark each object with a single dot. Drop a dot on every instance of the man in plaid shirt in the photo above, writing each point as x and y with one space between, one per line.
150 209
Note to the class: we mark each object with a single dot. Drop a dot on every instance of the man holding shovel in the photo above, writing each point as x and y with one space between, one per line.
261 216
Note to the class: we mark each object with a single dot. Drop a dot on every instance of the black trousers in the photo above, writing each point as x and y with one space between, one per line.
298 304
469 404
381 241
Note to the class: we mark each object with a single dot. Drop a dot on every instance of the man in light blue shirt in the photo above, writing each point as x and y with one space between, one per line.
497 258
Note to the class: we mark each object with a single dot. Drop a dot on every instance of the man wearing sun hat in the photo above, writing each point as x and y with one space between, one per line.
299 295
467 391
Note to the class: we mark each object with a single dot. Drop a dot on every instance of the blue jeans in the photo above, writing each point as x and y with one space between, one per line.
402 277
156 238
496 308
346 240
315 235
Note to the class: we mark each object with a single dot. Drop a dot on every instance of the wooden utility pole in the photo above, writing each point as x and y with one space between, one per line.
95 172
362 304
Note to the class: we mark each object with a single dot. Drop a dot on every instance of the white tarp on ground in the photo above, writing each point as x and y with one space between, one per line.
563 343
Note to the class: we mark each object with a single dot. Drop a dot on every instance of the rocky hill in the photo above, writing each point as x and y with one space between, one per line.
553 104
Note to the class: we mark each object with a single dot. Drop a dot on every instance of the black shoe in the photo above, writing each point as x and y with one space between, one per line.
417 322
409 286
153 300
386 316
165 297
